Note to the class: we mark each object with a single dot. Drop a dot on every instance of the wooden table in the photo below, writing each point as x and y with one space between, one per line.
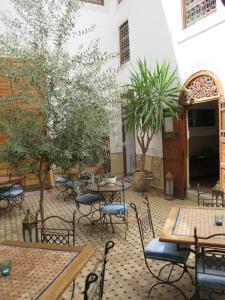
10 179
179 227
41 271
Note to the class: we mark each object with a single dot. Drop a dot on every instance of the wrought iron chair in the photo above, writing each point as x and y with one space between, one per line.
56 230
115 210
213 197
170 253
94 283
60 180
87 205
209 266
12 194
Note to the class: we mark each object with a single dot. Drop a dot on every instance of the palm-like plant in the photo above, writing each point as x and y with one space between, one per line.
151 96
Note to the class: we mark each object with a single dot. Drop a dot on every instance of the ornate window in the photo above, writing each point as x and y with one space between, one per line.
194 10
124 43
200 87
101 2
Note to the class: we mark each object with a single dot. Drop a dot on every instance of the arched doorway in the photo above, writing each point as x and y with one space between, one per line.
203 103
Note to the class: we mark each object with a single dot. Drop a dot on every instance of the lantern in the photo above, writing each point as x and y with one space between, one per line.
169 186
29 227
217 191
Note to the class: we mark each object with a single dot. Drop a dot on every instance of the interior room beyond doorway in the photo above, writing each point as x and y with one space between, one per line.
203 126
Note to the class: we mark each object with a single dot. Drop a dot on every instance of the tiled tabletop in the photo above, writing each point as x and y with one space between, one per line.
36 268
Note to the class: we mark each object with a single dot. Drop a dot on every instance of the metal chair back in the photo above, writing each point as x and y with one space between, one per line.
212 259
144 220
213 197
94 283
56 230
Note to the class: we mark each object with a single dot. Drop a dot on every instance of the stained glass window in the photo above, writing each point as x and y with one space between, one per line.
124 43
195 10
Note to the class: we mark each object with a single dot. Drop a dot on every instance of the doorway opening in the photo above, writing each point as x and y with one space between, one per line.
129 152
203 127
130 155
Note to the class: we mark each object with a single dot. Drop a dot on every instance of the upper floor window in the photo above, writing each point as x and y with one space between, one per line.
101 2
194 10
124 43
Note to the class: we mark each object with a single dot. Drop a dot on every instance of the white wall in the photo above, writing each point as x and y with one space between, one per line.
156 32
201 45
149 38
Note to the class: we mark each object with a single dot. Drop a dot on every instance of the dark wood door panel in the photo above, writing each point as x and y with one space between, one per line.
174 155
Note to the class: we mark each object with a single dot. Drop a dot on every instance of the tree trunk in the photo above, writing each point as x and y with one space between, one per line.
41 200
143 155
42 175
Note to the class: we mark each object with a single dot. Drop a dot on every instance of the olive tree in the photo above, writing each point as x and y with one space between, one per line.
61 103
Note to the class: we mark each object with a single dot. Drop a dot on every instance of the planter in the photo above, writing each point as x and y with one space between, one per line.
139 182
109 180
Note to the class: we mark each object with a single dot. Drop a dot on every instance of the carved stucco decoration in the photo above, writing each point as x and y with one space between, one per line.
200 89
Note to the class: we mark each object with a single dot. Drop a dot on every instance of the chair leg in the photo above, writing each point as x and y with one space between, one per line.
189 274
110 217
73 290
209 294
170 284
103 223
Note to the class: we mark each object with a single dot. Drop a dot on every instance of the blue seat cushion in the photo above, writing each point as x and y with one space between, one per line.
166 251
62 180
11 193
88 199
71 183
114 209
211 278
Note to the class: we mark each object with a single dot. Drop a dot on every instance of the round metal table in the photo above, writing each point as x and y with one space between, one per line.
108 187
111 191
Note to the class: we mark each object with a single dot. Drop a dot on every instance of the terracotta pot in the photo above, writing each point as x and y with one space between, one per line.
139 182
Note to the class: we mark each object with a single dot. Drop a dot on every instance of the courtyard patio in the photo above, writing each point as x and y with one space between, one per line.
126 274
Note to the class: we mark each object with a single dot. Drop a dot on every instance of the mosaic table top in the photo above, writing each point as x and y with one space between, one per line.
181 221
202 219
35 270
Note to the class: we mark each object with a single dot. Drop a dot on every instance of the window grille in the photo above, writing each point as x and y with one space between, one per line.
124 43
194 10
101 2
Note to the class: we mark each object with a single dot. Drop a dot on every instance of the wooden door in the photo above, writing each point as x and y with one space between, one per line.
222 141
175 152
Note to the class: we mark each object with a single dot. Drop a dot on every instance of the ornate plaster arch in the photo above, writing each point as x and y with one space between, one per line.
202 86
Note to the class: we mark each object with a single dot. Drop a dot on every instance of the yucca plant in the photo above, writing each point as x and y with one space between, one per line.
152 94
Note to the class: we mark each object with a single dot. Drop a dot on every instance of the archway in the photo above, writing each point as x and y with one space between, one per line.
203 102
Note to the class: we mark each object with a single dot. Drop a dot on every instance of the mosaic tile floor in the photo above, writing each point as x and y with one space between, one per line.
126 276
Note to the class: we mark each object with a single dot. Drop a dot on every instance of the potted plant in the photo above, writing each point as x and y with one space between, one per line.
151 94
109 178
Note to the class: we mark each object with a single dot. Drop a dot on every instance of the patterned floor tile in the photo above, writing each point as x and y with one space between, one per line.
127 276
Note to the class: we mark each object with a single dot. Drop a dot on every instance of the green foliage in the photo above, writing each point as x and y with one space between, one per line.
69 98
152 94
74 89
